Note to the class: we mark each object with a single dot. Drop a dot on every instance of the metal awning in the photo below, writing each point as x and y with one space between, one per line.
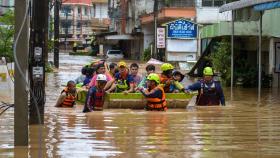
242 4
267 6
119 37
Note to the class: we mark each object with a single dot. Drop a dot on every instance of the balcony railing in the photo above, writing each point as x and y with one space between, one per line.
100 22
176 3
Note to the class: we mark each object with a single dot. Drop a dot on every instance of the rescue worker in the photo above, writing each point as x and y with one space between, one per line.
67 96
96 97
210 92
123 81
166 77
154 94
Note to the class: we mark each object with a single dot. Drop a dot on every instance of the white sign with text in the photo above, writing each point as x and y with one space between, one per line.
160 37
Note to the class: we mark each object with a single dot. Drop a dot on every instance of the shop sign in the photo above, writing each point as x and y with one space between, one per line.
182 29
160 37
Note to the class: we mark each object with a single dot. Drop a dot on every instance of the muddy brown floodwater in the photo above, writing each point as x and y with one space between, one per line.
242 129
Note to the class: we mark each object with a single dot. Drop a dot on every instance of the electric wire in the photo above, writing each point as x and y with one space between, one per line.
5 106
24 78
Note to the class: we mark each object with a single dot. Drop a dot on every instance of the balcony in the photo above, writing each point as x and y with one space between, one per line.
176 3
170 10
69 31
166 14
99 1
100 22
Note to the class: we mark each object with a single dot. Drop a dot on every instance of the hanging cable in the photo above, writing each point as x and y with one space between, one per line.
5 106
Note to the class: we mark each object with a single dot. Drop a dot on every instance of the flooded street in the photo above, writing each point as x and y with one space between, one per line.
242 129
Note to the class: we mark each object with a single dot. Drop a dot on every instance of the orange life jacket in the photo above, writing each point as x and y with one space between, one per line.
157 103
69 101
166 81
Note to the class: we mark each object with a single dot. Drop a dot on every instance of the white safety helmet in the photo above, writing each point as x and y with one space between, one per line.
101 77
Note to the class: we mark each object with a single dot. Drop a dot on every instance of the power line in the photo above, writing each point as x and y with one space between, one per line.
7 6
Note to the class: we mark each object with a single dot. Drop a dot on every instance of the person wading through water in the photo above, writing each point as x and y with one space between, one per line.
96 97
210 92
154 94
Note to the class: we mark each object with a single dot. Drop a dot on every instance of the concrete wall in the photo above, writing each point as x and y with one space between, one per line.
148 31
209 15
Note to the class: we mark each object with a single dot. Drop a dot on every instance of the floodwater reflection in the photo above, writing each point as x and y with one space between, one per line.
243 128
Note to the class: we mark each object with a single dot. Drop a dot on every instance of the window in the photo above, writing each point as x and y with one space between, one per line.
86 11
207 3
79 10
213 3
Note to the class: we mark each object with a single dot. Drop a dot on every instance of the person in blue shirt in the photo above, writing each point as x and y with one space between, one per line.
123 81
88 74
210 92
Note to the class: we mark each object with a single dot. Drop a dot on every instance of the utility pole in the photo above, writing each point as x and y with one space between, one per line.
57 5
155 27
38 42
66 29
20 95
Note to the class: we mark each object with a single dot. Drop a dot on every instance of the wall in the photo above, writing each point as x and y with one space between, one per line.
276 76
148 31
208 15
271 27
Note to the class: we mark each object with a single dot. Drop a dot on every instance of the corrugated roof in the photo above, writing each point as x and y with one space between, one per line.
242 4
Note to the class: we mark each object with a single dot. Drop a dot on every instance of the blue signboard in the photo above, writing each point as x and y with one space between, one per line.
181 29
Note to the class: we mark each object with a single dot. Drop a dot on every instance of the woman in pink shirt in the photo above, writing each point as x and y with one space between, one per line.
100 70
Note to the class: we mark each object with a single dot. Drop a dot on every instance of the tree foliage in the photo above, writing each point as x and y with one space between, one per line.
221 60
147 54
7 31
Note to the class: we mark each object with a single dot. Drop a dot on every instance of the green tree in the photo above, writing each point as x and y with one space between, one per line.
7 31
147 54
221 60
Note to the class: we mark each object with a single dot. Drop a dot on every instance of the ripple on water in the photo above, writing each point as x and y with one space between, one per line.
242 129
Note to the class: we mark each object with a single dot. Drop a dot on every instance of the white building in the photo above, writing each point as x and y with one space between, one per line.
5 5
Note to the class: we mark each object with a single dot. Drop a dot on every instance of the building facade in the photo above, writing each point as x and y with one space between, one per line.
246 42
134 24
81 19
5 5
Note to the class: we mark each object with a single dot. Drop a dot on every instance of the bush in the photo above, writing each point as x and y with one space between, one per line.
147 54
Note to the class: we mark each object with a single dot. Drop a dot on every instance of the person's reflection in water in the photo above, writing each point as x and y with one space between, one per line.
96 121
158 132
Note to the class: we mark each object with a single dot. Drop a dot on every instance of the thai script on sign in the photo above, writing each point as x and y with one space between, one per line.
182 29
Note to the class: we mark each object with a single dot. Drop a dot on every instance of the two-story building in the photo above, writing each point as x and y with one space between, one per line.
133 25
5 5
80 19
